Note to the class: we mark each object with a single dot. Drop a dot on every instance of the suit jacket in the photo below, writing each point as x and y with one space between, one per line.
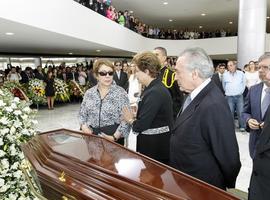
70 76
217 81
260 179
122 81
252 109
40 76
203 143
25 77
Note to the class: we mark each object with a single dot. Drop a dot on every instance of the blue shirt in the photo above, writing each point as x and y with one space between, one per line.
234 83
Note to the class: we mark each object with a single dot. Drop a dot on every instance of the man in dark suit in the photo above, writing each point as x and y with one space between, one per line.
166 76
73 74
120 77
260 179
218 76
26 75
255 106
39 73
203 143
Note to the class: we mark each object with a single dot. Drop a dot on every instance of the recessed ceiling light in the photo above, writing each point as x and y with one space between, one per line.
165 3
131 11
170 20
267 17
203 14
98 50
70 53
230 22
200 26
9 33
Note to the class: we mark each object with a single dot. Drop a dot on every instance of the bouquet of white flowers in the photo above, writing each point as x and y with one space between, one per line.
16 126
61 90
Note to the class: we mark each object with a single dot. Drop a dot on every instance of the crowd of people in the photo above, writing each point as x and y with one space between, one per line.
127 19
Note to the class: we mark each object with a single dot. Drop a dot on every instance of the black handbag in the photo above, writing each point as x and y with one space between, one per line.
109 130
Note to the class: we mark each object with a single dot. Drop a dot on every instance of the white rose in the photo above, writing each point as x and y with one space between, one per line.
12 150
4 188
5 163
24 117
2 153
21 155
5 130
15 165
16 99
13 106
1 141
2 104
17 112
12 196
2 182
17 174
8 109
25 132
17 124
26 109
4 120
11 137
1 92
12 130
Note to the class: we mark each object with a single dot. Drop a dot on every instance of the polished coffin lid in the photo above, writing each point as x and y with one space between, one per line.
95 168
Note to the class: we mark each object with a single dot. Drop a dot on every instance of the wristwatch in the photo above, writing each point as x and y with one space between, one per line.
114 138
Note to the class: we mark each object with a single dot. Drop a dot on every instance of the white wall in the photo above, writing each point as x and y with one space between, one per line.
67 17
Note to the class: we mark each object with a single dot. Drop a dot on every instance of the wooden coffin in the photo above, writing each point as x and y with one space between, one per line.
70 165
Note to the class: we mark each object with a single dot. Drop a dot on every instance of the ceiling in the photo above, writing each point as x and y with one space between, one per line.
32 40
186 13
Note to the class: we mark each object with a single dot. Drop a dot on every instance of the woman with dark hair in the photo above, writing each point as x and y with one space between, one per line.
49 90
154 117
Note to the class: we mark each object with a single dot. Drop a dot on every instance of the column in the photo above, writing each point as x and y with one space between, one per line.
37 62
251 30
8 62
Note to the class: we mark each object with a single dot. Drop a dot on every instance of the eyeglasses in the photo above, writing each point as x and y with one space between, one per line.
103 73
265 67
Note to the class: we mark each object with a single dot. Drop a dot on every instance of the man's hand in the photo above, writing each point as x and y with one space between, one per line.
253 124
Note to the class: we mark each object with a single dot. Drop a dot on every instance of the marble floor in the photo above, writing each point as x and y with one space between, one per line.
65 116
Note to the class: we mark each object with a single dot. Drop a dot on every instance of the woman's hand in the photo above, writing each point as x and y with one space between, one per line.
127 115
86 129
113 137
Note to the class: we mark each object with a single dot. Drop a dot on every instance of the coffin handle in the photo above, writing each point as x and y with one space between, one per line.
68 198
26 168
62 177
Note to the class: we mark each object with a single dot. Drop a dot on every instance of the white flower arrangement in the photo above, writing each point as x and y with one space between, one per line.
16 126
61 90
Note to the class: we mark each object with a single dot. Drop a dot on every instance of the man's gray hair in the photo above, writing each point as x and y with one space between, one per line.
197 59
266 55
